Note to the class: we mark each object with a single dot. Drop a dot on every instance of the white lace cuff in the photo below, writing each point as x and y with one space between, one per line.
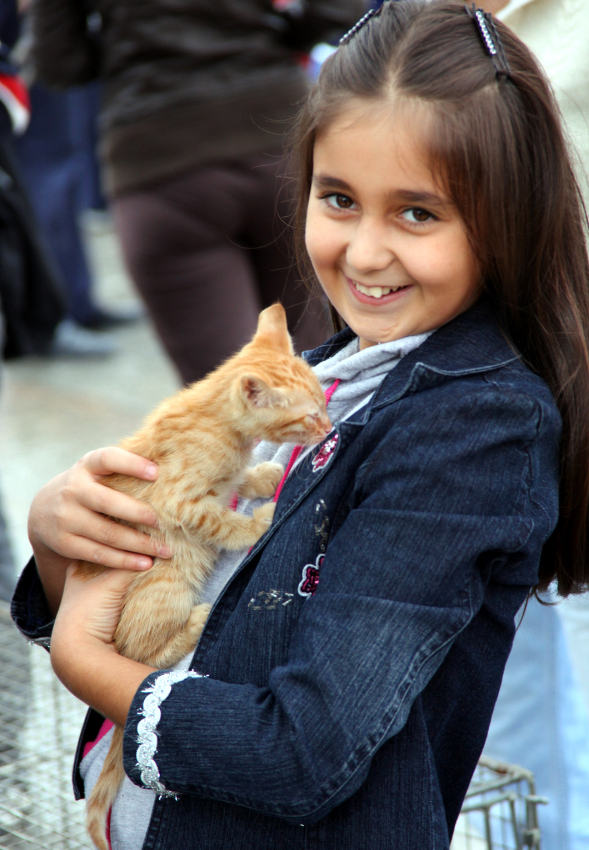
147 728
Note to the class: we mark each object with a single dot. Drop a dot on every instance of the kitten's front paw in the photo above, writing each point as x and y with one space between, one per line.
262 480
263 517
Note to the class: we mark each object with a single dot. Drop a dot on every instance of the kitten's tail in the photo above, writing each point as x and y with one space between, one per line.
104 792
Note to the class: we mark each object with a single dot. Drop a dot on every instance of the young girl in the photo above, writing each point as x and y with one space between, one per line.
342 688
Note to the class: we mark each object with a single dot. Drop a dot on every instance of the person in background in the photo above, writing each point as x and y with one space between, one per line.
541 717
58 165
197 97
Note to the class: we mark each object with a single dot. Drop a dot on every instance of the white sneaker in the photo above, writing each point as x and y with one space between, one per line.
72 340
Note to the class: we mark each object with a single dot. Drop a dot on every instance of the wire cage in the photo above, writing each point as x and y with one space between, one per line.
500 811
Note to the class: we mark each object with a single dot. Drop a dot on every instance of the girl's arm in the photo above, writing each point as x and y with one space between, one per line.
70 520
83 654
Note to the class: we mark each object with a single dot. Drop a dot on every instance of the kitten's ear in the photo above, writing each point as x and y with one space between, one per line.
257 393
273 330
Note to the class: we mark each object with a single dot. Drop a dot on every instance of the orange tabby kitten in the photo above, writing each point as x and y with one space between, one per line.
202 440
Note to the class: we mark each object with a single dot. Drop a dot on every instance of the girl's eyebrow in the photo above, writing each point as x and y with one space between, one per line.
408 196
325 181
427 198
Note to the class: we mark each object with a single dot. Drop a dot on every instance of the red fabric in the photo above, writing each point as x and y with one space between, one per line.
330 390
17 89
106 727
295 453
15 98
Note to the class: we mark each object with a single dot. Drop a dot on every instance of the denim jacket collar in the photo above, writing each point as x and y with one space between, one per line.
452 350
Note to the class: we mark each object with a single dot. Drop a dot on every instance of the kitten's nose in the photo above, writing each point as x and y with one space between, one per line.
326 424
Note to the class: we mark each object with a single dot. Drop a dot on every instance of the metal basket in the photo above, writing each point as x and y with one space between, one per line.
500 811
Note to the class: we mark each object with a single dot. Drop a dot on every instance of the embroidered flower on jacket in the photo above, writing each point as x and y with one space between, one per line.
325 453
310 580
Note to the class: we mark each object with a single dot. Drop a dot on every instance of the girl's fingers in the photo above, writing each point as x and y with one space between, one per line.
101 530
112 459
104 500
71 515
107 556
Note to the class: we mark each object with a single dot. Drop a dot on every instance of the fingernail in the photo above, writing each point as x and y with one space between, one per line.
151 470
164 552
144 563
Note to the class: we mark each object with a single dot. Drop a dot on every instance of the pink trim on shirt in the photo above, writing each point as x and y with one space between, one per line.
104 729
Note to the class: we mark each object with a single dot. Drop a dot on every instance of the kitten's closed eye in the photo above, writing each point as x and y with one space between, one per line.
312 416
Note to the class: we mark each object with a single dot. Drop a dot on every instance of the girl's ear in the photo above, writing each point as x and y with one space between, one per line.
256 392
272 329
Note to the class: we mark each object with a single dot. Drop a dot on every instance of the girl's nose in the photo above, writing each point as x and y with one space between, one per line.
369 249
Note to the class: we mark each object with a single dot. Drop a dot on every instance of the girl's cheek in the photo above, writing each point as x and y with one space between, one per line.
321 239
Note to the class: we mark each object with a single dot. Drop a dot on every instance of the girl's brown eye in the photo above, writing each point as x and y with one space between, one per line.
419 215
339 202
343 201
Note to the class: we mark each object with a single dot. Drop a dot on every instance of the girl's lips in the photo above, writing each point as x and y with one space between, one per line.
369 299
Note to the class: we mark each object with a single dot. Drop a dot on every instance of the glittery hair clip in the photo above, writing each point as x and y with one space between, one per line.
359 24
490 38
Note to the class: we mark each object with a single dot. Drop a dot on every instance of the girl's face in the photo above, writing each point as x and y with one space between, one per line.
387 244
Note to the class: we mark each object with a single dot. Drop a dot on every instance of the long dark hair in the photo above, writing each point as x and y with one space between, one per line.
498 146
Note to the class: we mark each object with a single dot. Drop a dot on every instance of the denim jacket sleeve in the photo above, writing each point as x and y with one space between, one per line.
446 503
29 608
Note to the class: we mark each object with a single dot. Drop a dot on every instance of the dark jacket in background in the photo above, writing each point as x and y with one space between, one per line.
186 82
31 298
33 302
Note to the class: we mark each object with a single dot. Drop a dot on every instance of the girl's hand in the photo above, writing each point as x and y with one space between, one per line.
83 653
70 520
90 609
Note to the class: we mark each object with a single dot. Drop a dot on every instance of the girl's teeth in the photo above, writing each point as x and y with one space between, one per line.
375 291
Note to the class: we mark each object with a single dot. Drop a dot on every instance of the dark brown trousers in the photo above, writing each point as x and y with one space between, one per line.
208 250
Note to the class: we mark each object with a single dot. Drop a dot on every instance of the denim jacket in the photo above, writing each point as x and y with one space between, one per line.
346 677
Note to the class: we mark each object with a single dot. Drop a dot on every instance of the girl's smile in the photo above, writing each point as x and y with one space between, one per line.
370 294
387 244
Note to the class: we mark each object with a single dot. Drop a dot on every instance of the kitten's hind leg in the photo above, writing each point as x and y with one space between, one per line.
185 640
261 480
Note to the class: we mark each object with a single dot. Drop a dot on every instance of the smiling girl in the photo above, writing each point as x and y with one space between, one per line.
386 242
342 689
